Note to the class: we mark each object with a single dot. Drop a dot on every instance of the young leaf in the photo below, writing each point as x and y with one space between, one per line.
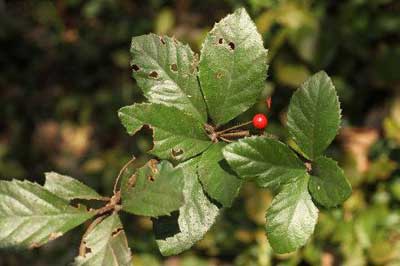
328 185
233 67
183 229
267 161
314 115
154 190
292 217
30 215
216 177
166 70
69 188
177 136
106 244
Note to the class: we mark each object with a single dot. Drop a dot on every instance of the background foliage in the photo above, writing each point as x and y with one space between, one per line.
65 73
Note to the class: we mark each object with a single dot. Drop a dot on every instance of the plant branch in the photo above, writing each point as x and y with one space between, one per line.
234 127
121 172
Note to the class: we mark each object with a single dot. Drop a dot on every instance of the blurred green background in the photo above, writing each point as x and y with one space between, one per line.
65 72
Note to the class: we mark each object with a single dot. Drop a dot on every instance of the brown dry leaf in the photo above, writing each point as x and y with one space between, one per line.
357 142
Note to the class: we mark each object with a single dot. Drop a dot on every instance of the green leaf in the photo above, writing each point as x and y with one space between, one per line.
233 67
183 229
106 244
154 190
314 115
328 184
177 136
166 70
267 161
292 217
69 188
30 215
216 177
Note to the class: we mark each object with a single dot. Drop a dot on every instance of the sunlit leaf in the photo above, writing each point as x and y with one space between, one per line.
177 136
30 215
233 67
314 115
166 70
106 244
154 190
181 230
69 188
292 217
218 180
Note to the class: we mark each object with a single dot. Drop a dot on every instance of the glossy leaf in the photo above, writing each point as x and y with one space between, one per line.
166 70
218 180
328 185
292 217
106 245
233 67
314 115
154 190
30 215
177 136
267 161
69 188
181 230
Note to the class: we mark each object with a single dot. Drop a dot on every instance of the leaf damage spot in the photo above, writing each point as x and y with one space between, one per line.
88 250
232 45
219 75
132 181
162 40
174 67
55 235
34 245
221 41
135 68
153 74
175 152
116 231
308 166
153 166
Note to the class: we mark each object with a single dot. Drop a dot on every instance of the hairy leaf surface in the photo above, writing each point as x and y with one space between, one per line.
233 67
218 180
69 188
106 245
184 228
154 190
177 135
166 70
267 161
292 217
30 215
328 184
314 115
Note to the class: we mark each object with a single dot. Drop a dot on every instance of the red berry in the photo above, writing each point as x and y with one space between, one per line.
260 121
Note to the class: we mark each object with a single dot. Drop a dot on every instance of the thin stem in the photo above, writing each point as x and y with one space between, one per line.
112 205
239 134
82 246
121 172
234 127
226 140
